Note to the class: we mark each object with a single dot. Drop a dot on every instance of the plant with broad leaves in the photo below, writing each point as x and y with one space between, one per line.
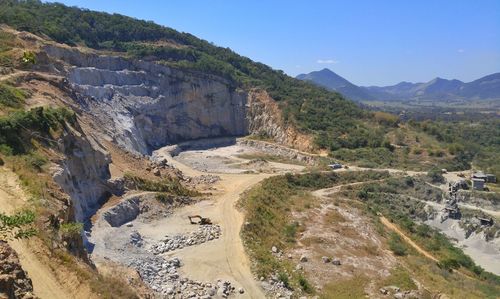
17 226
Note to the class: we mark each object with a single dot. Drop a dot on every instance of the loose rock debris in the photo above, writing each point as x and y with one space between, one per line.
203 234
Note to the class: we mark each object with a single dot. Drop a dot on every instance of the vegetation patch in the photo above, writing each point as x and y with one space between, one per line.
268 222
165 186
346 289
17 226
18 128
11 97
389 199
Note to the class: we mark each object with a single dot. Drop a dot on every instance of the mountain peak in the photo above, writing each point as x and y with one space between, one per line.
332 81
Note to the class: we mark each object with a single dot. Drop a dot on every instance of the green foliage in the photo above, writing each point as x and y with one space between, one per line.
283 277
291 231
28 58
11 97
17 128
312 109
305 285
268 206
6 44
401 278
165 186
71 229
435 175
17 226
477 142
397 245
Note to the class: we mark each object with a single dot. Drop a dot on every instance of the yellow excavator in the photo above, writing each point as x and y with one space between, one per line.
202 220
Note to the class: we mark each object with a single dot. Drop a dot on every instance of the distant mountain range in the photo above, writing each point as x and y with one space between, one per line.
438 89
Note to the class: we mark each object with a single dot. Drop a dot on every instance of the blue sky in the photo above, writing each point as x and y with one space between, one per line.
367 42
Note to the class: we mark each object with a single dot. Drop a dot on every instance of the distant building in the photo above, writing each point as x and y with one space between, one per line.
480 175
478 184
491 178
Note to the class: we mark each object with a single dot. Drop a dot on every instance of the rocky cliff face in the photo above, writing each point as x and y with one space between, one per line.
264 118
144 105
84 174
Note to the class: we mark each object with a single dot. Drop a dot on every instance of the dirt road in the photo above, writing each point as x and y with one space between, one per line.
394 228
45 283
224 258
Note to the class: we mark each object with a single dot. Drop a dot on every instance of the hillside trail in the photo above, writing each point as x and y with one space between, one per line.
323 193
45 283
12 75
407 239
226 259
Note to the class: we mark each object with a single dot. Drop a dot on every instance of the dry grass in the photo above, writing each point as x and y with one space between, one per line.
346 289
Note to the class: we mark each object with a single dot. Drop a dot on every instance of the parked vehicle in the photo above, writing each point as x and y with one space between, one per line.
335 166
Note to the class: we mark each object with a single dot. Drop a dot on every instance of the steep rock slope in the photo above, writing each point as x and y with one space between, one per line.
143 105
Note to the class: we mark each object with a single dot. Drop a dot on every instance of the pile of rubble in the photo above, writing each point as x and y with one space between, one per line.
275 287
397 293
205 179
163 278
14 283
203 234
161 168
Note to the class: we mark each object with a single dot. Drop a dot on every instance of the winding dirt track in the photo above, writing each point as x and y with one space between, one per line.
226 259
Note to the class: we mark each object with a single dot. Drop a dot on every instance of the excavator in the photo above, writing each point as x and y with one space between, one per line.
202 221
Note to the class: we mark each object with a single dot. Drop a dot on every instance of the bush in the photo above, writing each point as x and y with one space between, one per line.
396 245
165 186
17 129
305 285
71 229
17 226
11 96
435 175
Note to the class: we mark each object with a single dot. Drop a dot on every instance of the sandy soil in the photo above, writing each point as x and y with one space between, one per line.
485 254
45 282
338 230
223 258
226 160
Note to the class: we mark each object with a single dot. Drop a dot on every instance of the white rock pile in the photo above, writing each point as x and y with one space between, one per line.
276 288
163 278
203 234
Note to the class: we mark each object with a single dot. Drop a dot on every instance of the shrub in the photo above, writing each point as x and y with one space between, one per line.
396 245
167 186
71 229
435 175
11 96
283 277
17 226
305 285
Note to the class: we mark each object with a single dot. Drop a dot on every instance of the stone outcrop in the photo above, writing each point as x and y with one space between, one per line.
264 118
14 282
143 105
84 173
